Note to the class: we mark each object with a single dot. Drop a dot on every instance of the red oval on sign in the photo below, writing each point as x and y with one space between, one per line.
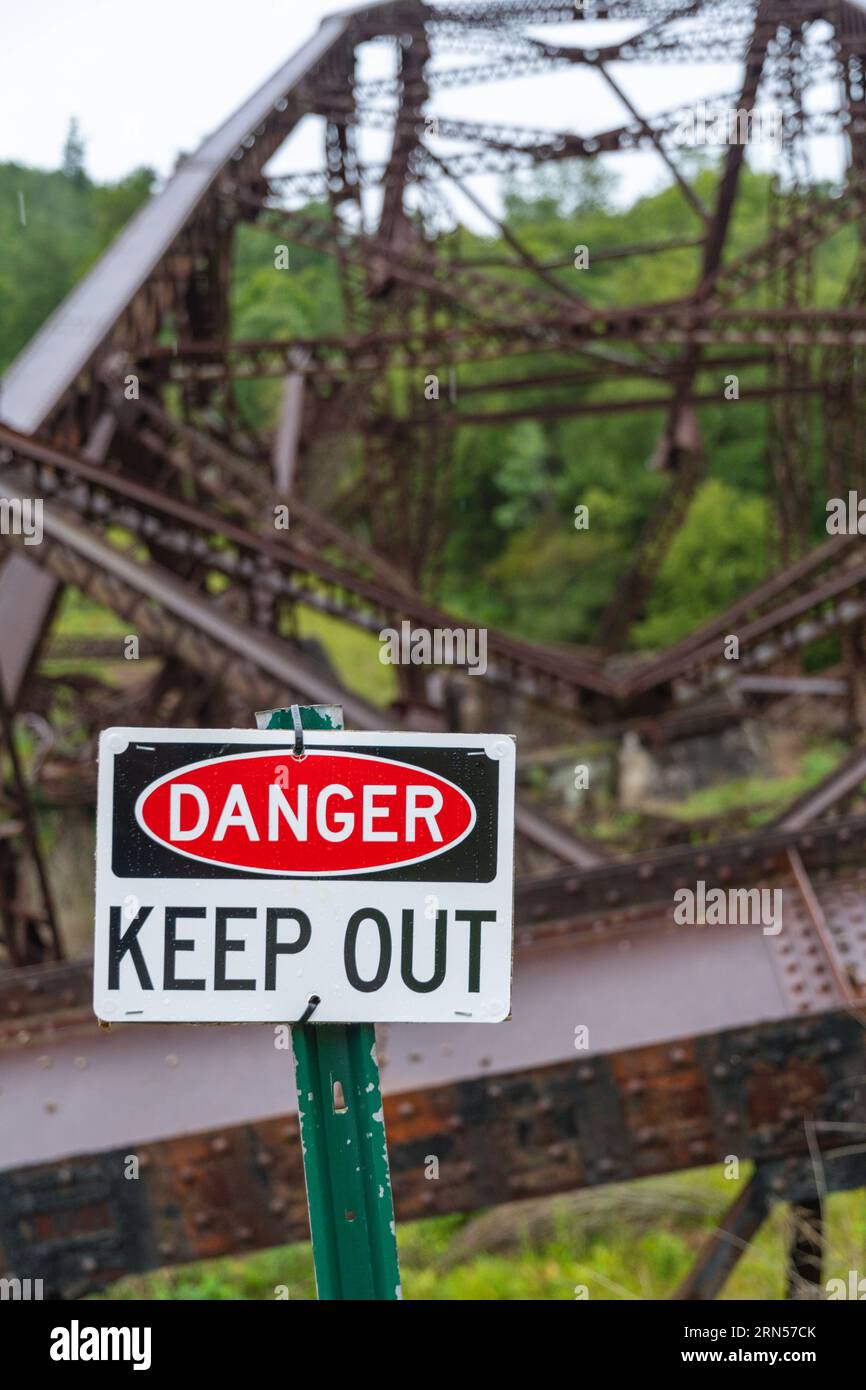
328 813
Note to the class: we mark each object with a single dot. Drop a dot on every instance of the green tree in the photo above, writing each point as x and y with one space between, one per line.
73 154
52 229
719 553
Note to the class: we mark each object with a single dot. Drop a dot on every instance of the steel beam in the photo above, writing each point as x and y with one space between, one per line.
79 1221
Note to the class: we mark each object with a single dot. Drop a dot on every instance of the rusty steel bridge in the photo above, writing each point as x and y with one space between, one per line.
159 506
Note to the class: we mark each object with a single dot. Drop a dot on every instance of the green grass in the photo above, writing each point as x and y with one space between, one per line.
636 1241
353 653
78 616
761 796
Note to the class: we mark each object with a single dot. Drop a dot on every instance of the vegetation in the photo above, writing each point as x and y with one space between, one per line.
53 226
512 556
761 798
635 1241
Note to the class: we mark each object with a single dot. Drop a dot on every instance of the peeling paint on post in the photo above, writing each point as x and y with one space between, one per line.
343 1136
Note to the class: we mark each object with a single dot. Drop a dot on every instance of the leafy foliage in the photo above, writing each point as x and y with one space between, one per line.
53 226
512 555
639 1245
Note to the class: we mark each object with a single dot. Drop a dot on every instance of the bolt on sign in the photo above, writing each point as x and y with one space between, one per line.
237 881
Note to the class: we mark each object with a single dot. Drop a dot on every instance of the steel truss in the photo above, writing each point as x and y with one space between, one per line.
154 503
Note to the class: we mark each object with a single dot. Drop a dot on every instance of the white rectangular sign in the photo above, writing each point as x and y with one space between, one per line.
237 883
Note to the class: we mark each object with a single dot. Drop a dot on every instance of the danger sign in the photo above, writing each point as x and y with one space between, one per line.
237 882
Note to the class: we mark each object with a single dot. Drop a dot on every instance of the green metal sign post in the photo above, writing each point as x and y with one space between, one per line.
343 1130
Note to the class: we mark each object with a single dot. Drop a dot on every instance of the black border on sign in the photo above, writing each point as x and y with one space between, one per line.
134 855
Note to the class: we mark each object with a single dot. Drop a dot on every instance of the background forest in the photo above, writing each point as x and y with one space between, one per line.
509 558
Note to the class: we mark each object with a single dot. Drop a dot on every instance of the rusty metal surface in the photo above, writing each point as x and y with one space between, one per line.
724 1246
142 1085
700 1039
75 552
781 625
628 980
41 374
27 596
570 901
79 1223
103 497
836 787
